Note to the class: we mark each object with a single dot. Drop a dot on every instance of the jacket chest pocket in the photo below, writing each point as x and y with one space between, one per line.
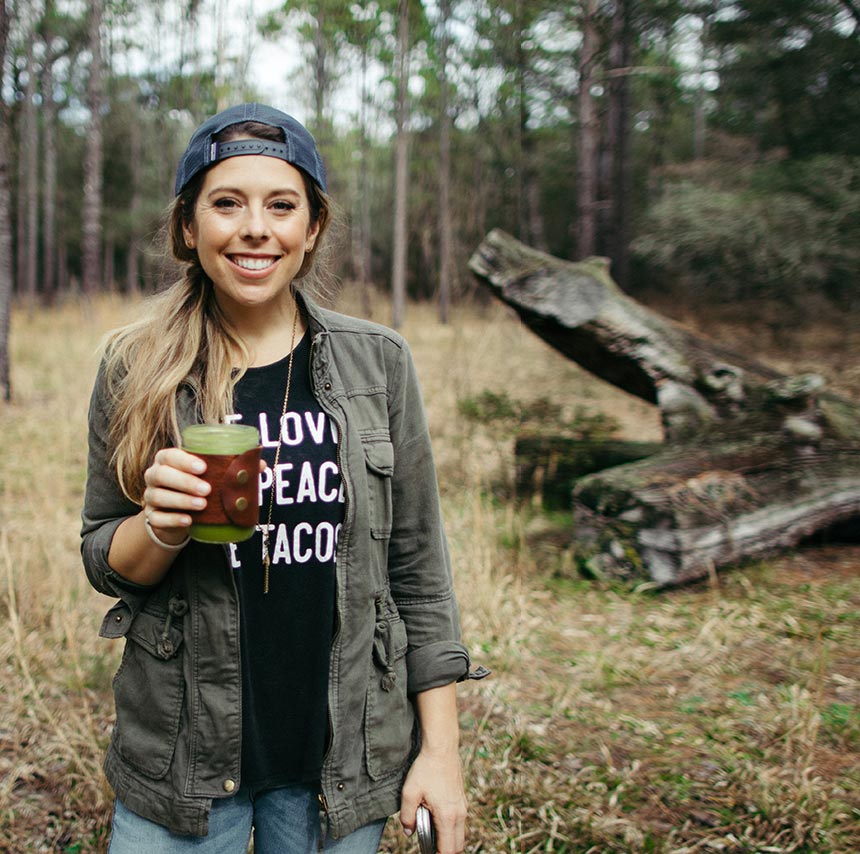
149 688
379 460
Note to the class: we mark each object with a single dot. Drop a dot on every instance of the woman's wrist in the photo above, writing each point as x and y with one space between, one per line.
167 546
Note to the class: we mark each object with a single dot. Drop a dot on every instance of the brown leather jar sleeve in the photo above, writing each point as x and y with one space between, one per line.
235 495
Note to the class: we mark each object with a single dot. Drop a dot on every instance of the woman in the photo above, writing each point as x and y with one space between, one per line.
300 683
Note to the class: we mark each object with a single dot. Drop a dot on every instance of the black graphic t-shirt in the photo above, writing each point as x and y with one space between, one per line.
286 633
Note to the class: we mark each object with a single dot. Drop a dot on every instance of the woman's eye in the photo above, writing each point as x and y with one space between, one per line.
225 203
283 206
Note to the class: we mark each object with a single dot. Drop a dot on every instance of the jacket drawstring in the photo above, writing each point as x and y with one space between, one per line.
176 607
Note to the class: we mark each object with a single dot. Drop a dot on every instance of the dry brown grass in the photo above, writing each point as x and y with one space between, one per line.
721 717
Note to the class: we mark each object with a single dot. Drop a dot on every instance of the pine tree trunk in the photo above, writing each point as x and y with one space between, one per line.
108 277
132 266
446 242
401 172
92 207
49 113
28 188
364 241
619 142
5 223
530 216
30 156
586 186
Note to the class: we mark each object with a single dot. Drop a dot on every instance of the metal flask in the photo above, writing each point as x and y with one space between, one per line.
426 831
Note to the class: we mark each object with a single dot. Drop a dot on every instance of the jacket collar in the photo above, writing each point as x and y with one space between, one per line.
313 313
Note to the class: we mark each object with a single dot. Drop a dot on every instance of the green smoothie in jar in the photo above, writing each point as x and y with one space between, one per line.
232 455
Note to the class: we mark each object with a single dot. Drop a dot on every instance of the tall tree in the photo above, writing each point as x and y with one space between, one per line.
446 240
790 74
92 204
619 140
509 45
322 26
401 170
49 177
28 188
363 34
5 220
588 134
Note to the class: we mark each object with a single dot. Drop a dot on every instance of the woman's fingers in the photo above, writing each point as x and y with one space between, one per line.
175 470
173 488
156 499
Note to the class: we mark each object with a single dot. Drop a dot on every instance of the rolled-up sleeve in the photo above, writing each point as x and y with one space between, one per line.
419 565
106 507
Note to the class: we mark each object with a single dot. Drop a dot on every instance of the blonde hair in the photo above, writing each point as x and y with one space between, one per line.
182 339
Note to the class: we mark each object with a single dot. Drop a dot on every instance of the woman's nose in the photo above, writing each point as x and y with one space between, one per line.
254 225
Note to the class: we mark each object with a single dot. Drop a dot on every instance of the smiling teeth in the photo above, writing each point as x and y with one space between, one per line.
253 263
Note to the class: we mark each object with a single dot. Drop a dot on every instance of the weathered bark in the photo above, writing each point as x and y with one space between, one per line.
752 460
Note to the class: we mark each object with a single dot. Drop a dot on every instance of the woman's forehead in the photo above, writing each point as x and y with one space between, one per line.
254 173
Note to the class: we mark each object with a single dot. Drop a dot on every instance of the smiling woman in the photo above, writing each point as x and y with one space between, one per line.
252 229
314 664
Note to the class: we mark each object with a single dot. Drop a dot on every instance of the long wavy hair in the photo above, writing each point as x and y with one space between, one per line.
183 339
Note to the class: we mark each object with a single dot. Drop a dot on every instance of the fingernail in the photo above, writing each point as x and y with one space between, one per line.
203 488
199 503
198 466
407 831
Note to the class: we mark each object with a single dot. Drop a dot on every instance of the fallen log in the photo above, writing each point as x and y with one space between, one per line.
752 459
548 466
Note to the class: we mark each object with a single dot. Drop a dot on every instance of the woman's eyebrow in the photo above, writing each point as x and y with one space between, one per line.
238 191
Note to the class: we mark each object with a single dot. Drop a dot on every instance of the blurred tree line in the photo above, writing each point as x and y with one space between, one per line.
710 146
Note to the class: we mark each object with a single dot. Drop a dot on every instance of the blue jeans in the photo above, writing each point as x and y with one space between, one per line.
284 821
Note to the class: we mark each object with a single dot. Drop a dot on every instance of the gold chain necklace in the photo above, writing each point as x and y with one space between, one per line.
266 559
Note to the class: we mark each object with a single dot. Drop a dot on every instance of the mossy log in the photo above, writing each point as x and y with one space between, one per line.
752 459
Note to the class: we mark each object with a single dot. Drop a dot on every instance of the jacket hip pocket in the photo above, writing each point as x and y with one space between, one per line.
149 688
379 460
389 716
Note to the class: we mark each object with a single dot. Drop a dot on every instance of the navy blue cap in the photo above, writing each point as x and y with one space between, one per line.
299 147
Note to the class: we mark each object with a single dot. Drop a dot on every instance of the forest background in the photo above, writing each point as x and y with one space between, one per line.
710 149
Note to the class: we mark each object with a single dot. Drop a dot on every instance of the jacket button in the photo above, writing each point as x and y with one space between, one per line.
340 787
241 503
327 386
229 786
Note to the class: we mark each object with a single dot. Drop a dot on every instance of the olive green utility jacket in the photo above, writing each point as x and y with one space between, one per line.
176 742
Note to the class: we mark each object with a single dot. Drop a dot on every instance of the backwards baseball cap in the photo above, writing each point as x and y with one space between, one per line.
298 149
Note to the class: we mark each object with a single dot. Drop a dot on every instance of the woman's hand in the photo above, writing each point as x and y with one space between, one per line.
173 490
437 782
436 777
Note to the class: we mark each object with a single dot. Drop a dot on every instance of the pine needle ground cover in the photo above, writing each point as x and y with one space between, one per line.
723 716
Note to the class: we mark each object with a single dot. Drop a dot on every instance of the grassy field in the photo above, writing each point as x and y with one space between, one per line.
724 716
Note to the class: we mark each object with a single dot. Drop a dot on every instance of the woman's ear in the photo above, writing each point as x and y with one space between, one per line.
188 234
311 239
